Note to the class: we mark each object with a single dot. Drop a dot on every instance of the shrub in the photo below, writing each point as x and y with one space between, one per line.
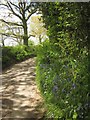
11 55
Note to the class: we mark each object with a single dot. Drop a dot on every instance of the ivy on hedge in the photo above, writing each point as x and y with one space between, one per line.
62 67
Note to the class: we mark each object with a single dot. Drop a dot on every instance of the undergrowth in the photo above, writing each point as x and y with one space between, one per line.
12 55
63 82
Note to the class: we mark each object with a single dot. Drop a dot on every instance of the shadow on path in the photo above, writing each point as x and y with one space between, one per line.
20 95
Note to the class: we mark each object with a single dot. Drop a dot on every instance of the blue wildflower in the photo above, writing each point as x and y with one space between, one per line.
73 85
55 88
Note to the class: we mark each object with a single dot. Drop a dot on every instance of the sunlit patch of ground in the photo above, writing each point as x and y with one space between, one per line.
20 95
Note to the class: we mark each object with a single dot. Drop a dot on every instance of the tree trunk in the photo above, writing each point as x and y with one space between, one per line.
40 39
25 37
3 41
25 28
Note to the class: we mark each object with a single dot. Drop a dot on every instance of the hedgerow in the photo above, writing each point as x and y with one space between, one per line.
63 62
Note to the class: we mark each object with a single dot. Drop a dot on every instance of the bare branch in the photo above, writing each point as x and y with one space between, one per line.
31 14
4 5
10 23
12 35
15 5
28 7
31 36
5 34
14 11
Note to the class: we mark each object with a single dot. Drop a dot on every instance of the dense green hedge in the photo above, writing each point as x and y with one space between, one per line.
62 62
11 55
63 81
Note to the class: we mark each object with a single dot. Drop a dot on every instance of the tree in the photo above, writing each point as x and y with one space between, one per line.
21 10
2 31
37 27
12 32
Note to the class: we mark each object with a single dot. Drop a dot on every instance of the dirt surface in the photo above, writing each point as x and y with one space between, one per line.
20 95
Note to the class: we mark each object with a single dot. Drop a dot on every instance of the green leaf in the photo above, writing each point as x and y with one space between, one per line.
74 115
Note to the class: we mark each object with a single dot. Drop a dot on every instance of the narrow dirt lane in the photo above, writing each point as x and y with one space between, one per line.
20 95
